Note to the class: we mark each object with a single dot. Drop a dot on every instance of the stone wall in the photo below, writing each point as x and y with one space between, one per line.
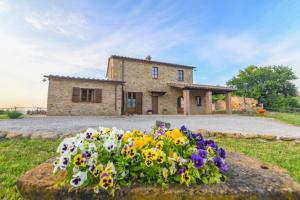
138 78
60 98
237 104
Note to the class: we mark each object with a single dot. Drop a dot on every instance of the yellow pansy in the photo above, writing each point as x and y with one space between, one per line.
180 141
126 136
161 157
107 130
79 161
106 181
185 178
148 162
98 171
159 145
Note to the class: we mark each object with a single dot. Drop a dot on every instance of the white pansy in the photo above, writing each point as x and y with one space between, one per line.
78 179
109 144
65 145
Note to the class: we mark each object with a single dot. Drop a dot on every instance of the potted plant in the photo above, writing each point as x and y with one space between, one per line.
149 112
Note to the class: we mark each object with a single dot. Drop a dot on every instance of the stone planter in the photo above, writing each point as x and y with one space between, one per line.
247 179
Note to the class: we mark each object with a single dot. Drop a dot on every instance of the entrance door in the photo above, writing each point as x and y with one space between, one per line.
180 103
154 104
134 102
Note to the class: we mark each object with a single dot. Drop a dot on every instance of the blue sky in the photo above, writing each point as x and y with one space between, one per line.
75 38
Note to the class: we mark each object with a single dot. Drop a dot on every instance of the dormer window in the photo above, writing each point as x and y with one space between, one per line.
154 72
180 75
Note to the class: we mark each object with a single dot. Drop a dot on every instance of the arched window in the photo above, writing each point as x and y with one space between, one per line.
180 102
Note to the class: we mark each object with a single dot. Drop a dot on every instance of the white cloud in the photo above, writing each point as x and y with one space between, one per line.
25 60
57 22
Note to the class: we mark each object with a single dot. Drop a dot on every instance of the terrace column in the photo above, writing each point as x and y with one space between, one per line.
186 102
208 102
228 103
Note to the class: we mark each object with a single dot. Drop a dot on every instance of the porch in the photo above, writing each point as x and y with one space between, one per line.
190 91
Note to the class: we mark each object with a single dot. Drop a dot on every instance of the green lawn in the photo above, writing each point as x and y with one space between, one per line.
16 157
19 155
289 118
3 117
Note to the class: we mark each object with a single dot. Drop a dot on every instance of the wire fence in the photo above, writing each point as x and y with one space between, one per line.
26 110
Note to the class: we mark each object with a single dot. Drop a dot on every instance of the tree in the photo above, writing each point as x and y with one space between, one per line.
270 85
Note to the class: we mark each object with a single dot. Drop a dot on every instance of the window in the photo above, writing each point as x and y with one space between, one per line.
154 72
131 102
87 95
180 75
198 101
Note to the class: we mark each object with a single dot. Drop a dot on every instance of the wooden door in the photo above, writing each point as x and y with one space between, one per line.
139 100
154 104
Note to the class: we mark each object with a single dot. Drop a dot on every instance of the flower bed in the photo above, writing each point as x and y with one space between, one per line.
109 158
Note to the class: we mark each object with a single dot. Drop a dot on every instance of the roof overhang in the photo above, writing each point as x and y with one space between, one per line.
82 79
157 92
214 89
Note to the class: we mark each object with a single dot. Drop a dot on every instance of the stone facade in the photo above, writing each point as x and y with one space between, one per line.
60 98
138 78
130 88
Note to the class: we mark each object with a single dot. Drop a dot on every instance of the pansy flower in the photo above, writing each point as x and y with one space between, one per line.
222 153
185 178
159 145
212 144
98 170
197 160
161 157
106 181
79 161
220 163
202 153
109 145
78 179
148 162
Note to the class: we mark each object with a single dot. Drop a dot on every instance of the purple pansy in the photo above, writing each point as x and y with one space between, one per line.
220 164
181 170
197 160
202 153
201 144
212 144
222 153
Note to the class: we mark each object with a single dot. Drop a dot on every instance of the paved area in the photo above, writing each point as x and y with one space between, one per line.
227 123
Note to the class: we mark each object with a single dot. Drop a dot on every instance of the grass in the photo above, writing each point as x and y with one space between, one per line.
283 154
290 118
19 155
4 116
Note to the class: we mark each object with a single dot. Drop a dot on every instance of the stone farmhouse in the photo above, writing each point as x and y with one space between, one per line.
133 86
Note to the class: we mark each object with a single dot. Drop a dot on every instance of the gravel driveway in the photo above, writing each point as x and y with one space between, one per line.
227 123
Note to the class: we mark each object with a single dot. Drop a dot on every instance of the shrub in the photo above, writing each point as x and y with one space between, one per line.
279 102
2 112
14 114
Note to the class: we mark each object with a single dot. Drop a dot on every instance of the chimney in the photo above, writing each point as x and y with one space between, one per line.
148 58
